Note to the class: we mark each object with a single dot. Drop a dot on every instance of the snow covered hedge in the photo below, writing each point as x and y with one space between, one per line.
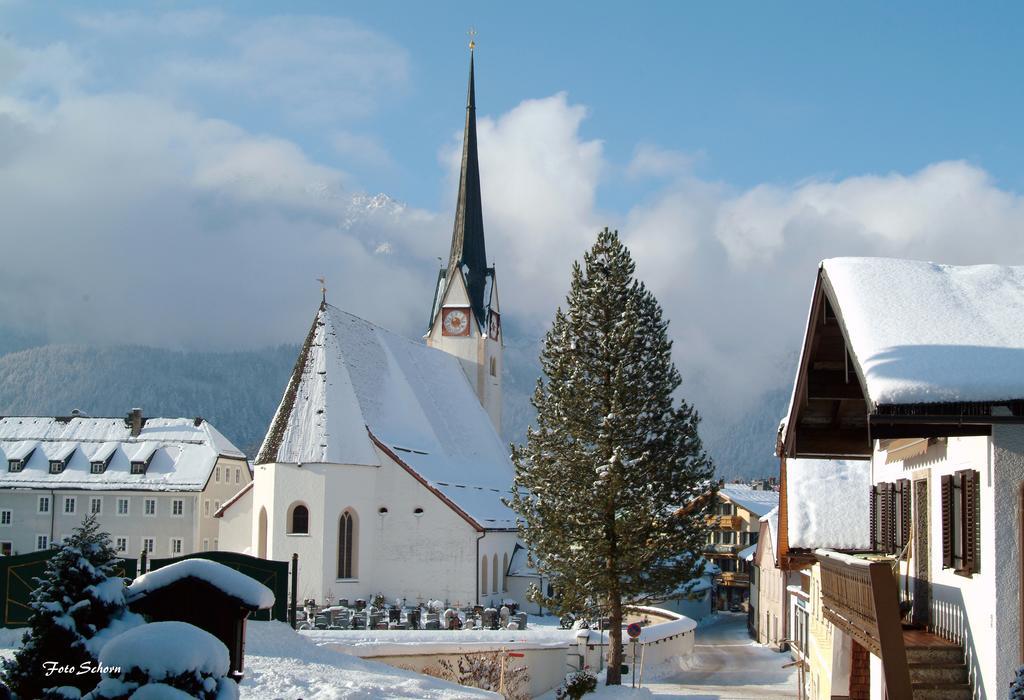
153 660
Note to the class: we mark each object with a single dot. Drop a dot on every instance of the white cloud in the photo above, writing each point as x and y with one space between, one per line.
314 69
182 23
651 161
134 220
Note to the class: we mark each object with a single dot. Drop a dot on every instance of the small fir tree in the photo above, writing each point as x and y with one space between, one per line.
602 477
78 602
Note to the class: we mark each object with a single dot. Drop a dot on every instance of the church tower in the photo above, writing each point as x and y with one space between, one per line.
465 318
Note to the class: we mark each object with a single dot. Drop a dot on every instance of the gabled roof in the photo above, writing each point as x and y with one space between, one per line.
757 501
927 333
181 451
357 387
903 348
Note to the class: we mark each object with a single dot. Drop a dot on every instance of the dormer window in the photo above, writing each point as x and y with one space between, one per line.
56 466
15 465
98 467
138 467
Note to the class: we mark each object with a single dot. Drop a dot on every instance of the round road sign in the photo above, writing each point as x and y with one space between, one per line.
633 630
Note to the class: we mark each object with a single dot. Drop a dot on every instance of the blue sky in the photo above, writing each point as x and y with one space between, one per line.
179 174
754 92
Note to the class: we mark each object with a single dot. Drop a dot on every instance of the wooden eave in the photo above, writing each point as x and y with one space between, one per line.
829 407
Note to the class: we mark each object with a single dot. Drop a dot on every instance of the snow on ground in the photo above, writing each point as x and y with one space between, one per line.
539 632
280 663
725 665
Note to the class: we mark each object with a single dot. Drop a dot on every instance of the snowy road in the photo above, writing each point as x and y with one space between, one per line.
727 665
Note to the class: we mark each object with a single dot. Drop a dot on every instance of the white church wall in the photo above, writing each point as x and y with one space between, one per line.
234 530
495 548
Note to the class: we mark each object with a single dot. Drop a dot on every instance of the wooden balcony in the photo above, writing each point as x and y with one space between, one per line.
724 522
734 578
861 597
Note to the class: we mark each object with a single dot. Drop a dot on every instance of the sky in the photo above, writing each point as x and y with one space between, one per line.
179 174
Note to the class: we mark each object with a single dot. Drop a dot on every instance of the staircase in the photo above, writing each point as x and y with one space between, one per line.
937 667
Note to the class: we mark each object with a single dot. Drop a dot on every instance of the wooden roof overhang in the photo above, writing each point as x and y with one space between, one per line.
831 416
828 412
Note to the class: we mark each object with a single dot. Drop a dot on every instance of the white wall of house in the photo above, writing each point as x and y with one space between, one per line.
28 523
228 478
400 553
1008 476
235 527
963 608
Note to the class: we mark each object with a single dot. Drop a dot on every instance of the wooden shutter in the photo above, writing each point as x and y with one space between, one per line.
875 545
947 524
969 491
903 491
888 518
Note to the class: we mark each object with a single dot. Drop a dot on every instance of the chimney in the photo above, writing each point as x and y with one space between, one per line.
135 421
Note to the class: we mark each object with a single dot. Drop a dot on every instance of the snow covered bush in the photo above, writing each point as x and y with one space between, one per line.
577 685
1017 686
151 660
78 606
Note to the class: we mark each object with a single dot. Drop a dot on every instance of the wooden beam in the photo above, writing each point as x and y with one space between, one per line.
832 443
832 384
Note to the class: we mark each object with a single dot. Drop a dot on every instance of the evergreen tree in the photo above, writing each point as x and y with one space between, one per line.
600 480
78 604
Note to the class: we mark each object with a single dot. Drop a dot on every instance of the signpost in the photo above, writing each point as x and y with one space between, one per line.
633 630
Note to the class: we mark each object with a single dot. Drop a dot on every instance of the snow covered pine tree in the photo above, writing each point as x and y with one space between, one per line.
601 478
77 607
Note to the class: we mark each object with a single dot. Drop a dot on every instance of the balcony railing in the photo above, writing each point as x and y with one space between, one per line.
723 548
860 597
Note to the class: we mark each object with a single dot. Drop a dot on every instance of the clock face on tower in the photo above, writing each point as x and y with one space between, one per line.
455 322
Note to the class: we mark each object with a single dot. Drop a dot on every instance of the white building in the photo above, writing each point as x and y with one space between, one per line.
383 469
153 483
918 369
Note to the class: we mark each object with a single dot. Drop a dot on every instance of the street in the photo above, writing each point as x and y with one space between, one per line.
727 665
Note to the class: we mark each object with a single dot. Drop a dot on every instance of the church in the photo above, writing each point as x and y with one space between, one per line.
383 468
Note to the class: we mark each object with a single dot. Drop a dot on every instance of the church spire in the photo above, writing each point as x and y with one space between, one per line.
468 251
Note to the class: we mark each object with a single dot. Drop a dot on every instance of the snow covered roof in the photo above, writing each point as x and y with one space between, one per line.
165 650
181 452
246 589
757 501
747 554
921 332
827 504
357 386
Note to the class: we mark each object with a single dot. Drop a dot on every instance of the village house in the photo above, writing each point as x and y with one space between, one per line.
383 468
733 527
917 369
152 483
769 598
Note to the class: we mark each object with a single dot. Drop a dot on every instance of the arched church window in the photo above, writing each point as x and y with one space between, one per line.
347 545
483 575
494 572
494 367
298 520
504 572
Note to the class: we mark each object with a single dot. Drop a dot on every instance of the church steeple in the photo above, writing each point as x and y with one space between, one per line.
468 252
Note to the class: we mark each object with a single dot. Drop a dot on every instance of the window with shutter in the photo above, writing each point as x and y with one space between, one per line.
903 492
875 545
969 506
887 516
947 521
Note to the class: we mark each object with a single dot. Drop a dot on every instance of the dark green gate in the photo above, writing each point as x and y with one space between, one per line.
17 581
272 574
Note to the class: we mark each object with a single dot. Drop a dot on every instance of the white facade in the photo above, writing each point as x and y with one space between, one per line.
166 507
982 610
